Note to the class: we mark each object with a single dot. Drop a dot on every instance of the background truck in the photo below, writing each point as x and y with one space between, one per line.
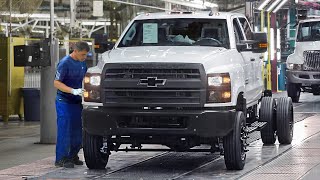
182 80
303 66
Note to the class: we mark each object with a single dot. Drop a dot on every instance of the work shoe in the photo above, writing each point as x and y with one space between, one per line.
64 163
77 161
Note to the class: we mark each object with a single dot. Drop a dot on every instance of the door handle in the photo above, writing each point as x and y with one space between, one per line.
252 59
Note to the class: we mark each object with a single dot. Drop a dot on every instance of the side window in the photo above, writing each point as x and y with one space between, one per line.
237 31
246 27
127 40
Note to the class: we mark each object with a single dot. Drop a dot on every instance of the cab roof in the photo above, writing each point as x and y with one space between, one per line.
310 20
175 15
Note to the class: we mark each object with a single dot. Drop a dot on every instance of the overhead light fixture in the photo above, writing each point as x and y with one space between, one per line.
273 5
136 4
279 6
263 5
198 4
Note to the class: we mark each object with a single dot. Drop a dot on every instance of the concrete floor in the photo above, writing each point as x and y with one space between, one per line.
19 144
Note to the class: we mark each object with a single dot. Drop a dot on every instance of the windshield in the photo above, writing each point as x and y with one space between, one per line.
177 32
309 31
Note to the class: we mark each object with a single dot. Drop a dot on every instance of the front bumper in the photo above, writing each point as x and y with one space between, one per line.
202 123
303 77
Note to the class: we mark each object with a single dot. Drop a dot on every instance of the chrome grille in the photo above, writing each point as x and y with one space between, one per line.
184 85
311 60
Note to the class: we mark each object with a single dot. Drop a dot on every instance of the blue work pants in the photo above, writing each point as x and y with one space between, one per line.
69 127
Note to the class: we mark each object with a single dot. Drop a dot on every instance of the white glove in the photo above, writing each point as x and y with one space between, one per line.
77 92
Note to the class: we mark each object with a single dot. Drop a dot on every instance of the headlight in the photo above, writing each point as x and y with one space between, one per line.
218 80
215 81
91 96
93 80
92 87
219 88
295 66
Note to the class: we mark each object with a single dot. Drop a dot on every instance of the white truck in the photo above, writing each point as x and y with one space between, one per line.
303 66
182 80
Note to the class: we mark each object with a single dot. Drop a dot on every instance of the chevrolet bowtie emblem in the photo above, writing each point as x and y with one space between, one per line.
152 82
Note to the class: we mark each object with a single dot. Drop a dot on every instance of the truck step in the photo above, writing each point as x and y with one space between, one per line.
256 126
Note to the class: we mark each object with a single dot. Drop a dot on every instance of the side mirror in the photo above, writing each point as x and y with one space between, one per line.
259 43
103 47
241 46
111 46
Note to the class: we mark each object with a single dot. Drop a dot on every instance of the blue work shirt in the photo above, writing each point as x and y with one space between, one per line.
71 73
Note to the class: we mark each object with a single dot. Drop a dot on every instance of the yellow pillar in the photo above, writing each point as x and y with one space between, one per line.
269 55
262 30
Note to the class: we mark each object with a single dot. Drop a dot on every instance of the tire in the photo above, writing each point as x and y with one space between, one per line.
285 121
242 105
91 149
316 93
234 144
294 91
267 114
315 90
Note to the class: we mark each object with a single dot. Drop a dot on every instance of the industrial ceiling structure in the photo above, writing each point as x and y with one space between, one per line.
75 17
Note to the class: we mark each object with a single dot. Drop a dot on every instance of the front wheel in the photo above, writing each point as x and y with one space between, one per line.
315 90
294 91
94 158
234 144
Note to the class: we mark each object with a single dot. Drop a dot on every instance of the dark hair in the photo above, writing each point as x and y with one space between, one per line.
82 45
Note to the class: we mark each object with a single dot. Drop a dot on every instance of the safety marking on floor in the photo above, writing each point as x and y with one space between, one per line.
35 169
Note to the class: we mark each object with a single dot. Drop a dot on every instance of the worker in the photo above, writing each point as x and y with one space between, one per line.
68 81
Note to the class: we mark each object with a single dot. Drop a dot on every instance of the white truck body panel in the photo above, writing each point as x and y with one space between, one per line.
297 56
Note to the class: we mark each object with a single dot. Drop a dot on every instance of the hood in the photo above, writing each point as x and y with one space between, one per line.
297 56
187 54
307 45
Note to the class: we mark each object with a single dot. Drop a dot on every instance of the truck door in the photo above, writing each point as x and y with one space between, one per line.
256 60
247 60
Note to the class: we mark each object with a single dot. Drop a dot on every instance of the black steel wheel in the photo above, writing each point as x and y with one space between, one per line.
294 91
315 90
285 120
234 144
316 93
267 114
94 158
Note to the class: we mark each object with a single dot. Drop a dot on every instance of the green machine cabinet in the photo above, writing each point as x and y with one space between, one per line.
11 79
